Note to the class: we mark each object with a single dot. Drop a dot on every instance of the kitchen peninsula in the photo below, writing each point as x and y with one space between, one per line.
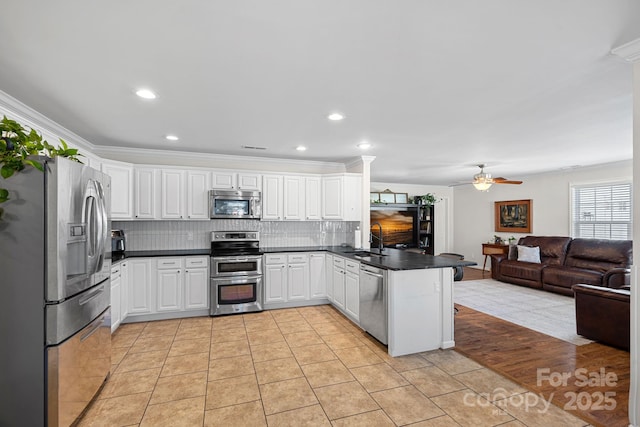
419 288
419 295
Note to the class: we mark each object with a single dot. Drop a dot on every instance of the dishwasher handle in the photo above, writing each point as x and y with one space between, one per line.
369 273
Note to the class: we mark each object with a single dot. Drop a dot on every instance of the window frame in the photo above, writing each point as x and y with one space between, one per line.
573 187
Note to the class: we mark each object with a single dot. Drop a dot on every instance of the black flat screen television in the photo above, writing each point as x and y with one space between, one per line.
398 226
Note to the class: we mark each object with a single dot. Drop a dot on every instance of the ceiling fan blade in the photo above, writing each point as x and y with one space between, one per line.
501 180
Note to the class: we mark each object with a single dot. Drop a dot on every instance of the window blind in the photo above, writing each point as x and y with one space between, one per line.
602 211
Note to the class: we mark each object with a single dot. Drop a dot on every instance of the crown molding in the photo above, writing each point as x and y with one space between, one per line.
630 52
181 158
27 116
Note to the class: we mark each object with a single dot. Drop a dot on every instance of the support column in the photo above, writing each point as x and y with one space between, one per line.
630 52
365 221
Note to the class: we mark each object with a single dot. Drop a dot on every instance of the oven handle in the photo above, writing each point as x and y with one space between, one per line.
236 280
235 258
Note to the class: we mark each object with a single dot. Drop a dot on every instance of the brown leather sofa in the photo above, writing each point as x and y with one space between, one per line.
565 262
602 314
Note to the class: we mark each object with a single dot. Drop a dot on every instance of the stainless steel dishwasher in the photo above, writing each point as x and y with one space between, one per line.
373 302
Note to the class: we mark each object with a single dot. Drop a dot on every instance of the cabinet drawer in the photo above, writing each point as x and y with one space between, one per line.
298 258
353 266
338 262
115 271
194 262
164 263
275 259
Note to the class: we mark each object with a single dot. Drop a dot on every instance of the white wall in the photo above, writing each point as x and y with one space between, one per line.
473 210
443 227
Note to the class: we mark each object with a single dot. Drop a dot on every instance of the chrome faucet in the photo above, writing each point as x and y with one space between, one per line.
379 237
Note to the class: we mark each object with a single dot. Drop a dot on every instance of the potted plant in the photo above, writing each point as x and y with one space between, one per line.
18 148
428 199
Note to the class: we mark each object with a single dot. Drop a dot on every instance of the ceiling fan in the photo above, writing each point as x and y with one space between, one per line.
482 181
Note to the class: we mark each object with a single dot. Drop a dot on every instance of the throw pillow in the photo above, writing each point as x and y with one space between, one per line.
513 253
528 254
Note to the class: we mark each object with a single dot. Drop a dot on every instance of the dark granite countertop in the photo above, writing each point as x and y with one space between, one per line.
147 254
393 259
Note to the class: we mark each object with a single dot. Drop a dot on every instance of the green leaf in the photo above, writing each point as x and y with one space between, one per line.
35 164
4 195
6 171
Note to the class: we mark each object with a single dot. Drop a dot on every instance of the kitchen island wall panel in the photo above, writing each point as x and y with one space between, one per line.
164 235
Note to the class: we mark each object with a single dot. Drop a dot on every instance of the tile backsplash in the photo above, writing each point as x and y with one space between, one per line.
161 235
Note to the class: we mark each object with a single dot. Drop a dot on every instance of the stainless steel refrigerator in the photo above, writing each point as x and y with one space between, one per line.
54 293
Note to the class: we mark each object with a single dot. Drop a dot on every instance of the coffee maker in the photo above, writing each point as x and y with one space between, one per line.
118 244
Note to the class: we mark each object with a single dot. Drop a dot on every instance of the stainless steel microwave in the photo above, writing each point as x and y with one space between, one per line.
234 204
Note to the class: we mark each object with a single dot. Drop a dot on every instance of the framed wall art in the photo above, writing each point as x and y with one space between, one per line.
513 216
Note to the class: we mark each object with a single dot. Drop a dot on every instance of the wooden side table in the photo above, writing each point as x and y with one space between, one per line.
493 249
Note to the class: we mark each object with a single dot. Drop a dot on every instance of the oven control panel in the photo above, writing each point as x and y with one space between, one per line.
217 236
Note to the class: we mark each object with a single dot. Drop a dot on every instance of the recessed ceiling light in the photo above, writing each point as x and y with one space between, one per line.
146 94
301 148
364 145
335 117
172 137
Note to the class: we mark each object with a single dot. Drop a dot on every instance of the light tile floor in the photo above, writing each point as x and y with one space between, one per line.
307 366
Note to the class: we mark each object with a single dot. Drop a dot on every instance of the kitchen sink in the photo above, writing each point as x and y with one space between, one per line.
364 254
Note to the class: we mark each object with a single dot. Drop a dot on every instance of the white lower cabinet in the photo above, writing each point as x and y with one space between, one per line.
298 277
168 285
338 282
352 289
124 289
140 290
328 274
346 286
116 297
317 276
275 280
293 277
196 284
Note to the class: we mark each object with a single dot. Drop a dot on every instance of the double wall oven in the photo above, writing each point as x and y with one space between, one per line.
236 272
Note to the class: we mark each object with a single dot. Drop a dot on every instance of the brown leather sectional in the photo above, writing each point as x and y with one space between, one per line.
565 262
603 314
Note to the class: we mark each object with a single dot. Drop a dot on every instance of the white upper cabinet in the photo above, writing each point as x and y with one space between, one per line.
145 193
341 197
332 197
249 181
197 194
352 201
293 199
223 180
313 198
272 197
121 188
230 180
172 194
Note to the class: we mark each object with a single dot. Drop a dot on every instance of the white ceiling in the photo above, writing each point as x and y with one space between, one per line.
436 86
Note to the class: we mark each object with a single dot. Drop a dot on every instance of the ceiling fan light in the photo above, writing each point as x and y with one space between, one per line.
482 181
482 186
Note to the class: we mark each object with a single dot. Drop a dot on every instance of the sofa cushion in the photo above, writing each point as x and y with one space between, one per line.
599 255
566 277
527 254
524 270
552 248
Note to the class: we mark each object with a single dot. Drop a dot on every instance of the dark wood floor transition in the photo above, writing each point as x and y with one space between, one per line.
519 353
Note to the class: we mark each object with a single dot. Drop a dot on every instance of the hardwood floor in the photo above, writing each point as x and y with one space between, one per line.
521 354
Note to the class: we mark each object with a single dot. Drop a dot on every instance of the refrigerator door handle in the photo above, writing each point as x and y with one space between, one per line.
103 226
91 218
